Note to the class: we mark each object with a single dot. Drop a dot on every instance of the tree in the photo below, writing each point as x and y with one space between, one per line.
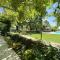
40 6
7 21
46 24
27 9
57 15
57 12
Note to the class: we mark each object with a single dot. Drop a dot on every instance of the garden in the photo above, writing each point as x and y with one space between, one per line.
29 29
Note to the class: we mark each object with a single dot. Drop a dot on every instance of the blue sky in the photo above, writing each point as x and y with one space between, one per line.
52 8
52 19
1 10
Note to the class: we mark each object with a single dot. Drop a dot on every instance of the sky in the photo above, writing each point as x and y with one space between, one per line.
51 19
1 10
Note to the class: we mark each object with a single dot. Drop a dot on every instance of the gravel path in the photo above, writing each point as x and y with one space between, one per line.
7 53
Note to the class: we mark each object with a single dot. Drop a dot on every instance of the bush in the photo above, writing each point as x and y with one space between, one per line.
35 51
15 37
28 55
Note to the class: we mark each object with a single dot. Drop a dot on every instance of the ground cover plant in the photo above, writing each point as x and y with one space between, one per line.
28 49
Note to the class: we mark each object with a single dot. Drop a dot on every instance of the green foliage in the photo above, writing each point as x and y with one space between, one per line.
58 18
41 52
25 10
15 4
7 21
21 7
38 50
28 55
40 6
20 11
54 28
6 28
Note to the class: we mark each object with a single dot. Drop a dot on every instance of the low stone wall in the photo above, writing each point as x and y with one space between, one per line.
26 40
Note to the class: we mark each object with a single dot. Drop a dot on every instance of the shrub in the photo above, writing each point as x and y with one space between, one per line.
36 50
28 55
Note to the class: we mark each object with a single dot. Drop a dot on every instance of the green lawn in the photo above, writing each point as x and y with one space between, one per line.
48 37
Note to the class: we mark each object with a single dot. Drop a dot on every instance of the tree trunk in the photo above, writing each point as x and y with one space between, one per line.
40 18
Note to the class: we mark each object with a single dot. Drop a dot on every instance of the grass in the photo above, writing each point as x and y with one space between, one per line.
48 37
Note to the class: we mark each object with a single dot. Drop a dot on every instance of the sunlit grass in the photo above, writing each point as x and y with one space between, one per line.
48 37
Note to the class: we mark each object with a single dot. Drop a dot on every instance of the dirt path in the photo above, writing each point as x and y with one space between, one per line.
7 53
